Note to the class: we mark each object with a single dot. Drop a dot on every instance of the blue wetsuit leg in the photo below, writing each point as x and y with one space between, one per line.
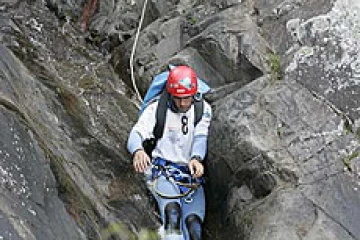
196 206
167 188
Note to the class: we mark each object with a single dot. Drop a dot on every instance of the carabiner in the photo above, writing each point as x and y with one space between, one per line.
188 199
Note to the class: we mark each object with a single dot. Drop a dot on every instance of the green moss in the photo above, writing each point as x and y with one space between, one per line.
74 107
275 66
88 83
120 230
347 159
347 126
27 52
76 202
148 235
193 20
358 132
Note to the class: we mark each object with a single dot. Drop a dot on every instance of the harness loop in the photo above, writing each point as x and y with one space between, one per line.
178 175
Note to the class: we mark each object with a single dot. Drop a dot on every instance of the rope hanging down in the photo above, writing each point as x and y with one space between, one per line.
133 52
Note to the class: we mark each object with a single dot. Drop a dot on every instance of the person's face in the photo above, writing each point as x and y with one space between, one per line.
183 104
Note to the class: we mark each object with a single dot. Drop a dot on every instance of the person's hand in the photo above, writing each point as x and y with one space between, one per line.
196 168
141 161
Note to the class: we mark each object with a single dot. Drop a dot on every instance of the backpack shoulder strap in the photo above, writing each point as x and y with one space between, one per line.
161 115
199 109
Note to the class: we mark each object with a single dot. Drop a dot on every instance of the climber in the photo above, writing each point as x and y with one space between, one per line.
173 165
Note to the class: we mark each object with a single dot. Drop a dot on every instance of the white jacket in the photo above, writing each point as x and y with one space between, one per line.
176 145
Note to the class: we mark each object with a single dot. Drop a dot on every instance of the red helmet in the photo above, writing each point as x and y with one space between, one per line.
182 82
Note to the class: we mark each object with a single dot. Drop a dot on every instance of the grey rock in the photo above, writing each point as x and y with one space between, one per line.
328 53
232 41
207 35
272 17
55 90
30 207
265 137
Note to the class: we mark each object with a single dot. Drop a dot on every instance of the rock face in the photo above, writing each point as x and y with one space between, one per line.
62 92
286 172
289 165
284 146
30 208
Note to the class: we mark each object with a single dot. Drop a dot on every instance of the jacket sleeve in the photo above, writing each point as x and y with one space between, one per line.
134 142
143 129
199 147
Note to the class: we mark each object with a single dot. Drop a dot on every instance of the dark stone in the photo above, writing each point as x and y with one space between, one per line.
30 207
263 185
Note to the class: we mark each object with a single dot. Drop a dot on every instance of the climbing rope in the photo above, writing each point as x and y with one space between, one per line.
133 52
179 176
190 189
